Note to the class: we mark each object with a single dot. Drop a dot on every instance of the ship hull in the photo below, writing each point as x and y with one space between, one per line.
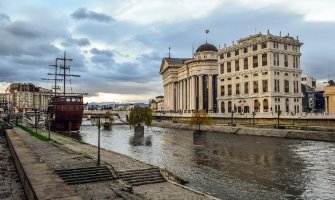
66 113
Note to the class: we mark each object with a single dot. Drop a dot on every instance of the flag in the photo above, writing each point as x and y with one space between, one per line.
207 31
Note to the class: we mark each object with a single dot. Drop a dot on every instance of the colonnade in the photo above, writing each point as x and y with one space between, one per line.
197 92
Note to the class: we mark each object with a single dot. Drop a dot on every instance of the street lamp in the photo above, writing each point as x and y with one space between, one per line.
99 126
232 116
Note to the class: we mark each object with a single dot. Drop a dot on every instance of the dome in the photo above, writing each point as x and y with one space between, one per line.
207 47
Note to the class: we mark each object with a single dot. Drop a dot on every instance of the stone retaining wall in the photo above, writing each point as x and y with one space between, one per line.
38 181
327 136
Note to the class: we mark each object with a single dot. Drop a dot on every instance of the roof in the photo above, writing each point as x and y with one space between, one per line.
176 61
206 47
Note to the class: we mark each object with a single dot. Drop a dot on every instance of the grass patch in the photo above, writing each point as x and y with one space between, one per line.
33 133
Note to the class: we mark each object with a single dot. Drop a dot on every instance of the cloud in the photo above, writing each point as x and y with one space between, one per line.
4 19
83 13
69 41
23 29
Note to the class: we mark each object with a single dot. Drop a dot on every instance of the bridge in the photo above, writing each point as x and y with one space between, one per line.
119 115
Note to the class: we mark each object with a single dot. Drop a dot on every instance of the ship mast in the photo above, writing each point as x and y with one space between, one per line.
62 73
55 74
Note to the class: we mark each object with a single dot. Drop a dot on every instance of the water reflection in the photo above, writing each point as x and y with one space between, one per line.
232 166
140 140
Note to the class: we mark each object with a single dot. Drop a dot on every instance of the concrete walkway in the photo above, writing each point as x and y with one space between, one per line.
119 162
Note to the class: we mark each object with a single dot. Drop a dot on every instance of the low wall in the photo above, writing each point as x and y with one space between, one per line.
257 120
38 181
328 136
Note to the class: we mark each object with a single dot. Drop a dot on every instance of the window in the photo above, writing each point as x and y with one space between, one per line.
265 105
254 48
296 86
245 50
294 62
265 85
285 46
229 106
286 61
255 74
286 74
236 52
255 61
263 45
276 59
222 68
222 90
221 56
255 86
245 63
229 89
228 54
237 65
264 59
287 86
275 45
222 107
228 67
256 105
264 73
237 89
246 88
276 85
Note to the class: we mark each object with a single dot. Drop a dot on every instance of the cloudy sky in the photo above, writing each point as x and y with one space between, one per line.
118 45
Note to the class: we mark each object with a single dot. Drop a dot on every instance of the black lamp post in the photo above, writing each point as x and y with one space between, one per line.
253 118
49 118
99 126
279 112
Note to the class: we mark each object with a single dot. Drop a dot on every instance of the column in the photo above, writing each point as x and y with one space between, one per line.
181 95
201 93
188 94
177 96
193 94
210 93
184 94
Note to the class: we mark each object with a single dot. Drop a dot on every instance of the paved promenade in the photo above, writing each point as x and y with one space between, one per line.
67 153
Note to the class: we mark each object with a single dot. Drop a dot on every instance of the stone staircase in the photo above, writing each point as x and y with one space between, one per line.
142 176
85 175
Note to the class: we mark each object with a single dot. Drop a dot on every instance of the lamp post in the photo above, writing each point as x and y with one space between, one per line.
279 112
99 125
232 116
48 115
253 118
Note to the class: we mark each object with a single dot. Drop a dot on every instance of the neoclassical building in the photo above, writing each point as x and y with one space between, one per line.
191 83
260 73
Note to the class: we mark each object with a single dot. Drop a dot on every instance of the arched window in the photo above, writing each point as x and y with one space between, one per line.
287 103
256 105
265 105
229 106
222 107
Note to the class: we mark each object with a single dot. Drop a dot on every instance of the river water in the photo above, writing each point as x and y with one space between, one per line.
229 166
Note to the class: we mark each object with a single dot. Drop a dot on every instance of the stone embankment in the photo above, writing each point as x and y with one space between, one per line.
322 134
66 153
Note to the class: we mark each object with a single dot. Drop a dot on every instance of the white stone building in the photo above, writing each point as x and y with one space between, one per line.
260 73
191 83
27 97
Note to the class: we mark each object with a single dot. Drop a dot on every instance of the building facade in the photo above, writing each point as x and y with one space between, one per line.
329 96
27 97
3 102
157 104
262 74
313 100
190 84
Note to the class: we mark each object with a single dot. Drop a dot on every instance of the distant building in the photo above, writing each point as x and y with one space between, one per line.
329 95
262 74
27 97
157 104
3 102
309 81
191 83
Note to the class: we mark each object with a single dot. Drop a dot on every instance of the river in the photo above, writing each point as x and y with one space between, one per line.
230 166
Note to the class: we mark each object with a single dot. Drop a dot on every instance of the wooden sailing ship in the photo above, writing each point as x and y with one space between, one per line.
65 110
